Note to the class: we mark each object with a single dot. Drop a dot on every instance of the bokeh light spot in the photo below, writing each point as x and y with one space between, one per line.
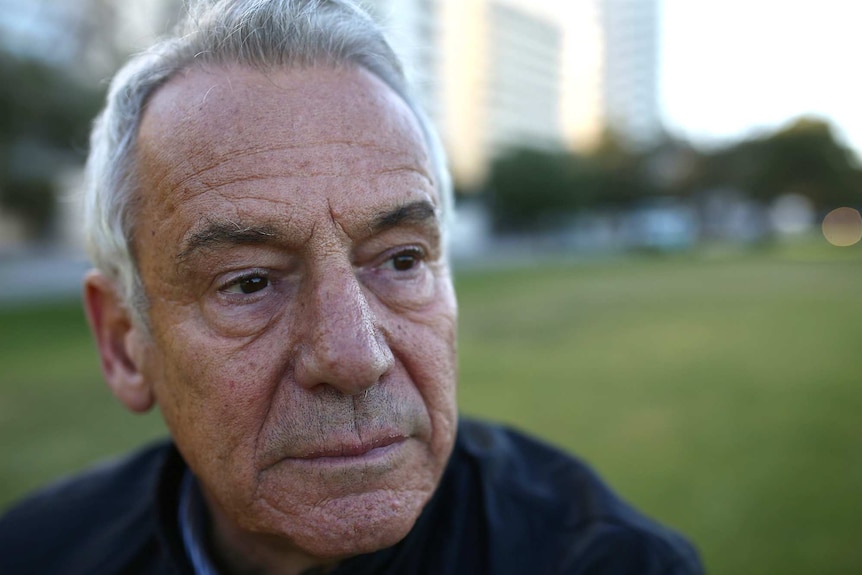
843 227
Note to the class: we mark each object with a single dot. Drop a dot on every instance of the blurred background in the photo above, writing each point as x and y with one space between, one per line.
656 247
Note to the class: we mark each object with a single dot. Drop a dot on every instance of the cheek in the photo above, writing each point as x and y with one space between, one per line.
213 395
426 347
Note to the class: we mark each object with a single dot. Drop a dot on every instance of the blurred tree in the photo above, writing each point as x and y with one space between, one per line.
533 189
52 56
540 190
804 157
44 119
623 173
807 158
673 168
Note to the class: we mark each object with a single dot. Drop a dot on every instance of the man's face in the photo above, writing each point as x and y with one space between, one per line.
302 315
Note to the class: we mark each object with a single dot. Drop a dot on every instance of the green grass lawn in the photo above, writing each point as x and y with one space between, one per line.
720 394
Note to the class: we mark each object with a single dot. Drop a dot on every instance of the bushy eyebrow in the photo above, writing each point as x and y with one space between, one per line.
221 233
419 212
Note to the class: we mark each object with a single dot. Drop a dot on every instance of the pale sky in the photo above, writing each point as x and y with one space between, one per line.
733 68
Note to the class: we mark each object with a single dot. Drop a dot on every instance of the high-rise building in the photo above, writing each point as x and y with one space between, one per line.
487 71
524 81
630 68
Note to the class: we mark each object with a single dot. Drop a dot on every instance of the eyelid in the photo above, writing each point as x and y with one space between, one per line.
418 251
234 279
412 249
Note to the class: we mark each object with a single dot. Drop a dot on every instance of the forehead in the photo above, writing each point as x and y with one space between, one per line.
209 129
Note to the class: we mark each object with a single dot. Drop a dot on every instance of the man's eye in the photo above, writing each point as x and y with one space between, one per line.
405 260
247 285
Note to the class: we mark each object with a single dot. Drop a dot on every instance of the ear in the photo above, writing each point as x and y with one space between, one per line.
120 342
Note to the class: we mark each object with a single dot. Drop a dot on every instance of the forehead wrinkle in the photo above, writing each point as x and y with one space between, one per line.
342 167
209 149
211 186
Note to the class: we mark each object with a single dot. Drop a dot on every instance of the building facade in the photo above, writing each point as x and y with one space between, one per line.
524 81
488 72
630 68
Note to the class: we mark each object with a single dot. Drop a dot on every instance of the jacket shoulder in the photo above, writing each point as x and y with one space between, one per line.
88 523
613 548
553 512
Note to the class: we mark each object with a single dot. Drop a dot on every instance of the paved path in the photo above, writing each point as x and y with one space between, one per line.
39 275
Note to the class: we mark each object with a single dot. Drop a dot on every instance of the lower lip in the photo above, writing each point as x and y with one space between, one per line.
375 455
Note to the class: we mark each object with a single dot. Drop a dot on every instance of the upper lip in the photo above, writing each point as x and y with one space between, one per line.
351 449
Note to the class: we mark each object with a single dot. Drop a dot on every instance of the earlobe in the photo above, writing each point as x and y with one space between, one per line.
119 341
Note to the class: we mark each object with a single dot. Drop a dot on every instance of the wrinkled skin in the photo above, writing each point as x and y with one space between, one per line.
301 341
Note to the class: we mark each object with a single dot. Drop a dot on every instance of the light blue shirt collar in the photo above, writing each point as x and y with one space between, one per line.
192 518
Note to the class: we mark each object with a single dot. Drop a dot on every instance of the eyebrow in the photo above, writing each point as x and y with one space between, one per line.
418 212
226 233
220 233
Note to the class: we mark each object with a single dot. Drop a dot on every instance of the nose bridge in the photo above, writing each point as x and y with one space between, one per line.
344 346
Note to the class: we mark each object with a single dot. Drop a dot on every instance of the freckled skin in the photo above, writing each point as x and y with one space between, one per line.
339 349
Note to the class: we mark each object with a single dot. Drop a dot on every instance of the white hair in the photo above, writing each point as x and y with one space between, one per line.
257 33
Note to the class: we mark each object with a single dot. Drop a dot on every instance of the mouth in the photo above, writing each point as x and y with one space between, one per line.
347 451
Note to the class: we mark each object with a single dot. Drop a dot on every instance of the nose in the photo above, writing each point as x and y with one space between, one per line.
342 344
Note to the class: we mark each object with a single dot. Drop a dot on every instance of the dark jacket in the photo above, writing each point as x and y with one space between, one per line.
507 504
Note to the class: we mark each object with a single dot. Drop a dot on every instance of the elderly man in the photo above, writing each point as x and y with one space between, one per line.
266 215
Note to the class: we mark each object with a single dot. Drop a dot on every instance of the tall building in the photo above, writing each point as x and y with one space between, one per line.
487 71
630 68
524 81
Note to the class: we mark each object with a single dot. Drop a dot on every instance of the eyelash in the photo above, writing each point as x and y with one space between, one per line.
417 253
251 275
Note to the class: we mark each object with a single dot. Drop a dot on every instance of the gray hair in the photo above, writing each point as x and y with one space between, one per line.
257 33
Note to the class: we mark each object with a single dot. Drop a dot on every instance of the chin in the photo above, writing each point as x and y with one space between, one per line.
360 524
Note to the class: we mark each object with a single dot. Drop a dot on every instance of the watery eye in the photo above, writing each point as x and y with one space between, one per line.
404 262
248 285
